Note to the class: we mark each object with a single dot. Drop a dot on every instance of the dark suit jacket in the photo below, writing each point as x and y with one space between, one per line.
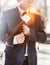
10 19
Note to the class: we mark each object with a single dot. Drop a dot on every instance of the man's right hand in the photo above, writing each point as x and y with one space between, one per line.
19 39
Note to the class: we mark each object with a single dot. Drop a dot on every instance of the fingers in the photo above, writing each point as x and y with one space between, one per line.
26 29
21 35
20 38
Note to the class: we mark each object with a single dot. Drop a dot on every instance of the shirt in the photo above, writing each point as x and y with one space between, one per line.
23 17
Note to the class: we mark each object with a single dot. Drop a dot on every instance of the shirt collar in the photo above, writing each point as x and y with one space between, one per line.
21 11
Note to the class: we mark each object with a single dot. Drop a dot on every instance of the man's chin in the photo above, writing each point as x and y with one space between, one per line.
25 5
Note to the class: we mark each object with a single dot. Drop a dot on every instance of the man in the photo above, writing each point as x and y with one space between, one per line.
26 36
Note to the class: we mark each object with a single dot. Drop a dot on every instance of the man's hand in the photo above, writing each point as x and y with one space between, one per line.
26 30
19 39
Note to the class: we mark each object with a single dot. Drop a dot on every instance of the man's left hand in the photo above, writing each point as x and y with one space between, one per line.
26 30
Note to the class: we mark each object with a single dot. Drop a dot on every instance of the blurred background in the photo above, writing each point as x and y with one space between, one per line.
43 50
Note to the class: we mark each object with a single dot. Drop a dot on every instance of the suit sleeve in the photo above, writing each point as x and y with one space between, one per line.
3 28
41 37
38 36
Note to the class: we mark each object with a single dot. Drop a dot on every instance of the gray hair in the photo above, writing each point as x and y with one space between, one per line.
27 1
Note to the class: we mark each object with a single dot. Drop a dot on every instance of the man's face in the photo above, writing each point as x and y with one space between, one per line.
24 6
